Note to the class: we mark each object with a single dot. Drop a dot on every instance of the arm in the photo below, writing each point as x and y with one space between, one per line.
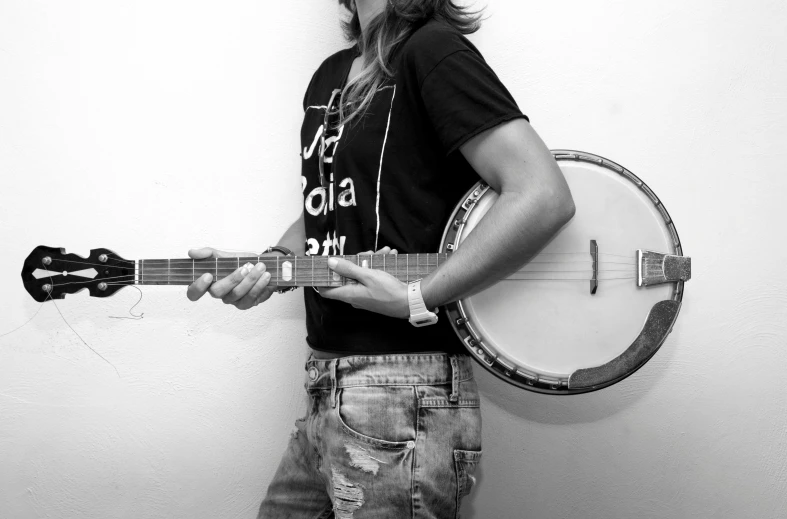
534 203
294 238
244 288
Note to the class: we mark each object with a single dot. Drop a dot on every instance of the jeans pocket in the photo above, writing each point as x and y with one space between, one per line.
465 463
380 416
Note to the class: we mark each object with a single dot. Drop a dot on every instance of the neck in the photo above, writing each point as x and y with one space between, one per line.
286 271
367 10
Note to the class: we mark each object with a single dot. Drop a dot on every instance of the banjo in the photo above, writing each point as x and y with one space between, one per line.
590 309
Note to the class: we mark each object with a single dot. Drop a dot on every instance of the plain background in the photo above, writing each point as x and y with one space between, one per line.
150 127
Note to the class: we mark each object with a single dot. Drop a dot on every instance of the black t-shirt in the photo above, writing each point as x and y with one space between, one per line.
394 176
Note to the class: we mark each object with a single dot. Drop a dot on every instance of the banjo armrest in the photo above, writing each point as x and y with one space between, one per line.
654 268
657 326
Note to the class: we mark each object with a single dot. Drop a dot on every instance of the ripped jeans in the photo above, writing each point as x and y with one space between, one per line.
385 436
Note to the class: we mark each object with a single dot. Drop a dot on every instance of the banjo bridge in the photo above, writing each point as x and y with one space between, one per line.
654 268
594 256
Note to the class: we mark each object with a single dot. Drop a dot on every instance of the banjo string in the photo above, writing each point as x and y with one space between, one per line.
49 296
63 317
133 317
26 322
133 263
131 277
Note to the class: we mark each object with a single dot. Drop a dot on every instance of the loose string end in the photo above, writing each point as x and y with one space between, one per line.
130 310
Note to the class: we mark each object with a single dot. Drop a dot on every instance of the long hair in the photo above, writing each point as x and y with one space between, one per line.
383 34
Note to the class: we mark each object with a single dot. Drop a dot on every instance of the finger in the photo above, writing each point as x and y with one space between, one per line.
384 250
267 292
199 287
244 288
203 253
246 302
260 288
348 269
345 293
222 287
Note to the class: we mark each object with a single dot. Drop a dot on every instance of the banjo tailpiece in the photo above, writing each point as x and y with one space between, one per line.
654 268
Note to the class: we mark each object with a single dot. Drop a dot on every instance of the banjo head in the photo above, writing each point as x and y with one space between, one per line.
545 328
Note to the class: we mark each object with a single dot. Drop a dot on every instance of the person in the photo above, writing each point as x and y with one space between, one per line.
396 129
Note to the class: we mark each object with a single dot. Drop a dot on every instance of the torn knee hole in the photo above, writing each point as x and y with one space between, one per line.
348 496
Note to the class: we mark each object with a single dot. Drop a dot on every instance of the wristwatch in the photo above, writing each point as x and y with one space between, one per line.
419 314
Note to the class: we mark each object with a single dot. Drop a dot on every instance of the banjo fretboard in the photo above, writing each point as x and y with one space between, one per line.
294 271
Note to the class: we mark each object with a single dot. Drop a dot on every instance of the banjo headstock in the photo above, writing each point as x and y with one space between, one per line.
50 272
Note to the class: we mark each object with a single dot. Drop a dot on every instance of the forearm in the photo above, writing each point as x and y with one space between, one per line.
294 238
514 229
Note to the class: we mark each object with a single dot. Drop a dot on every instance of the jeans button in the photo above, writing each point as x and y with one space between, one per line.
313 373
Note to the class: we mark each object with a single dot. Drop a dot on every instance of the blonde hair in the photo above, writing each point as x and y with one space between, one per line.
382 37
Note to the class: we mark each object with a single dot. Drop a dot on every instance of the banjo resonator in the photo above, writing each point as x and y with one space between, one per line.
539 329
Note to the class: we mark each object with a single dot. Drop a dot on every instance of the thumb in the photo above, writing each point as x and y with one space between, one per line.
347 269
203 253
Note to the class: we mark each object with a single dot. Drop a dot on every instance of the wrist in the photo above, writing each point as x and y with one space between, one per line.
427 293
420 314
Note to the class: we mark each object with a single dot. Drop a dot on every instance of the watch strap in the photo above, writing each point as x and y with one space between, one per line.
419 314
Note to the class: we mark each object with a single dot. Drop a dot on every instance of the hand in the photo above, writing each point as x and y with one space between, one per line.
244 288
376 291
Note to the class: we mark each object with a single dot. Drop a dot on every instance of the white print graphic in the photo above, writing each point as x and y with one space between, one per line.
333 140
317 202
321 200
309 204
331 246
307 152
380 171
347 197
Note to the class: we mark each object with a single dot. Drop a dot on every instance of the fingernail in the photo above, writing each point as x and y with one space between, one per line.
259 266
244 271
332 262
266 276
206 277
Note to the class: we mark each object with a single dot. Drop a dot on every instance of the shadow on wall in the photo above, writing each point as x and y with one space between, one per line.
582 408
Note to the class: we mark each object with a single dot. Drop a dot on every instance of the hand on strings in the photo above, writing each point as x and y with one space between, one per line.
376 291
244 288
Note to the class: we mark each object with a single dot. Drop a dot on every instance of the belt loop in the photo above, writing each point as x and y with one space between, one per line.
334 362
454 397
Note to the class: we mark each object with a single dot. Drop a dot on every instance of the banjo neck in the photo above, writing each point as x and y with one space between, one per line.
286 271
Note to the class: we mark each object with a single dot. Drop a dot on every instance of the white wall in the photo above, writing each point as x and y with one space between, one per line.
151 127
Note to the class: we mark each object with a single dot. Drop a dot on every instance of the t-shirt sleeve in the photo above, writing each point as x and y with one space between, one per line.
308 90
463 97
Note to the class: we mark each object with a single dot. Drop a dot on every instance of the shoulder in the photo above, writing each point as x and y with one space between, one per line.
330 73
432 43
338 60
336 64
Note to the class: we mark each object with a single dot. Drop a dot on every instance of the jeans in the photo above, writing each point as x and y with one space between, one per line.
385 436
